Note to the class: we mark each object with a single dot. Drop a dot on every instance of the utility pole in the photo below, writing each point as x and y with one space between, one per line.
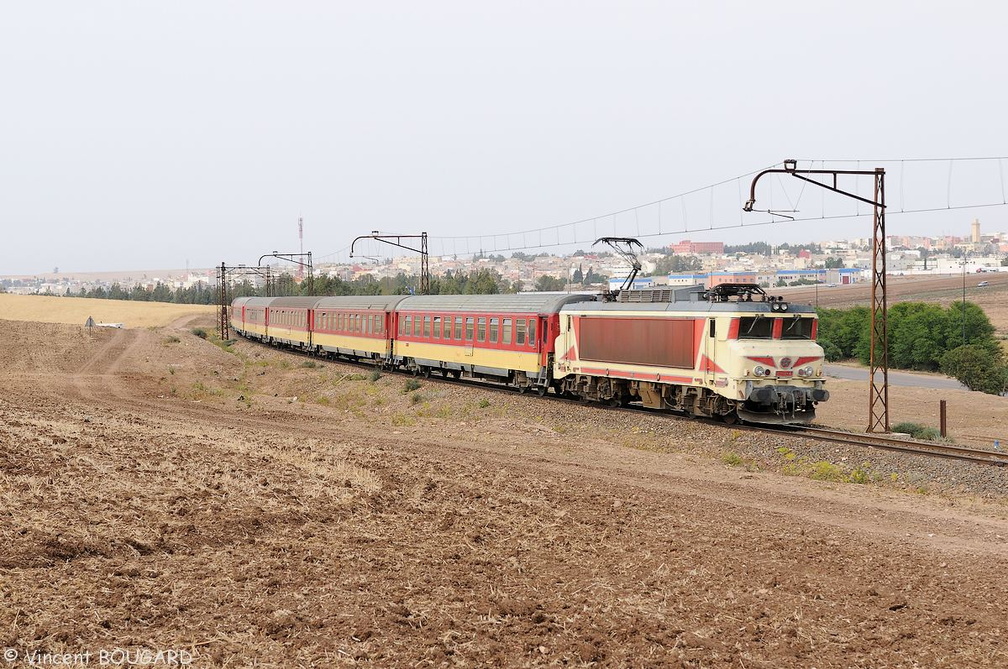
396 240
878 399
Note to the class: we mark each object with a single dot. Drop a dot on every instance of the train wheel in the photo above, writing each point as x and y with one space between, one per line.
731 418
425 371
541 390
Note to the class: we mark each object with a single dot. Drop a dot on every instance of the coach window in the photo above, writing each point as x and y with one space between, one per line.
481 329
506 332
494 328
532 329
458 328
437 327
447 327
377 324
405 324
469 329
426 326
520 332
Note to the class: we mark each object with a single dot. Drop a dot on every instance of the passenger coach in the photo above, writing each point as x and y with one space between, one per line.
503 338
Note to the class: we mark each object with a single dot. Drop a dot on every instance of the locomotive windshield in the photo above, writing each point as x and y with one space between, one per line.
755 327
797 328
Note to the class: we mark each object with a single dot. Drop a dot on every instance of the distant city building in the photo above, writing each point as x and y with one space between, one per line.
686 246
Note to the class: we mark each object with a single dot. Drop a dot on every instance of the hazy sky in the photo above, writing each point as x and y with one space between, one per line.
141 135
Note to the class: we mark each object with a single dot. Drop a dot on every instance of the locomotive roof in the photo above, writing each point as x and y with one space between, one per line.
537 303
692 307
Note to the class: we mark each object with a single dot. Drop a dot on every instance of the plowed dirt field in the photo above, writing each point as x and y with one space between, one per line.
255 508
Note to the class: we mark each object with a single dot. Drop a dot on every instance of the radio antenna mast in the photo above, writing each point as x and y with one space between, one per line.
300 245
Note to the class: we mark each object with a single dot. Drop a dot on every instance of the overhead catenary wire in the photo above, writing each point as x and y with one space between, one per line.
585 230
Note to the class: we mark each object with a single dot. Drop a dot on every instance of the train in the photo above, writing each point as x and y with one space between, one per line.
731 352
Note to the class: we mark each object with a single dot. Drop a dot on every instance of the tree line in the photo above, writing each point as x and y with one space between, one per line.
476 282
957 341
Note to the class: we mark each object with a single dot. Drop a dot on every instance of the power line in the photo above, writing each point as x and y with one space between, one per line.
720 200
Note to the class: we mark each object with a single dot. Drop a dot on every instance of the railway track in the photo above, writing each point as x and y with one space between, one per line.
901 444
904 445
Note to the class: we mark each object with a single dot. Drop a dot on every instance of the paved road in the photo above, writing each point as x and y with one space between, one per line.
895 378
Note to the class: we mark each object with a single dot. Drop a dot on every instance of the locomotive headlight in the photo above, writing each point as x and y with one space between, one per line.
767 372
783 306
759 370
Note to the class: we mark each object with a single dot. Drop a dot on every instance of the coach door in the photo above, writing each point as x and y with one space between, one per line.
470 335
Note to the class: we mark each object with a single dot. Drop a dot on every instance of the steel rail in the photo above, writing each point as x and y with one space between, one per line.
905 445
868 440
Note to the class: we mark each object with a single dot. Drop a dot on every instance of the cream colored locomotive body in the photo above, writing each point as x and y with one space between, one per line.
755 360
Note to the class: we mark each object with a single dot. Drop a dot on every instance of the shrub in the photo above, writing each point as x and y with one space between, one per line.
375 375
199 332
411 385
977 367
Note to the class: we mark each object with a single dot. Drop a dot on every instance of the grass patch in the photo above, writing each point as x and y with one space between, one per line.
827 471
731 458
374 375
402 420
824 470
416 398
918 431
411 385
199 332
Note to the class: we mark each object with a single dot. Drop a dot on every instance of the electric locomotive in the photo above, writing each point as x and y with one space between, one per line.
731 352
